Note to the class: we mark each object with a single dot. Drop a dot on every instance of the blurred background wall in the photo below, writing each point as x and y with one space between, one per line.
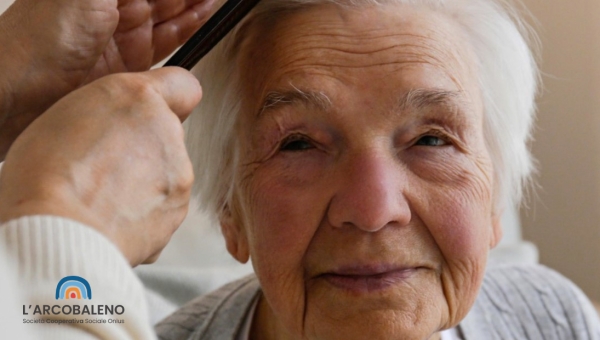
563 219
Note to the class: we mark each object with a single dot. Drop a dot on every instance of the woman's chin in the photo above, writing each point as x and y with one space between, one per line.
393 305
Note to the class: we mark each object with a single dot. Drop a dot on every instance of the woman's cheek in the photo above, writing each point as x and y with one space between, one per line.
460 227
288 198
458 187
283 194
287 210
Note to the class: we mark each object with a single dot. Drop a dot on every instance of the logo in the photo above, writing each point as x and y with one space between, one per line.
73 287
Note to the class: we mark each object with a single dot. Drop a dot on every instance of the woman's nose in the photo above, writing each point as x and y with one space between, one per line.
370 194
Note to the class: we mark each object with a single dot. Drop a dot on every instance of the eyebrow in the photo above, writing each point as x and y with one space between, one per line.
295 96
416 98
422 98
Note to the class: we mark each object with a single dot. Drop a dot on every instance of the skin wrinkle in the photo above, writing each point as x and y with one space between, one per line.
365 35
274 146
426 44
415 58
449 286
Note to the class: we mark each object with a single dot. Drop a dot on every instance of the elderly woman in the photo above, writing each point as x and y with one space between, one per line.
361 154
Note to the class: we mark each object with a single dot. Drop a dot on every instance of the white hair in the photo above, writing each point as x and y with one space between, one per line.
508 78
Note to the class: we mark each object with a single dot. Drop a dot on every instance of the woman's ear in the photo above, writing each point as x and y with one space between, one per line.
234 232
496 234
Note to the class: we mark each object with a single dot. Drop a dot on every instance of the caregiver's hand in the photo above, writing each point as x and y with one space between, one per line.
52 47
110 155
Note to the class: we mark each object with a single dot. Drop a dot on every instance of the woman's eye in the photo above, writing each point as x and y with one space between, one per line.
431 141
296 144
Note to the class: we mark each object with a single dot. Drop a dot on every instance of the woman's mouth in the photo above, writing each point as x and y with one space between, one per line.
367 279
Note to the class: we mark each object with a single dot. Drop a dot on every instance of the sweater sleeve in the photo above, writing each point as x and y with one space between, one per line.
38 252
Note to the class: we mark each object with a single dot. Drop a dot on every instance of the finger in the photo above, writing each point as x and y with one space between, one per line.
132 14
171 34
179 88
164 10
178 219
153 258
136 40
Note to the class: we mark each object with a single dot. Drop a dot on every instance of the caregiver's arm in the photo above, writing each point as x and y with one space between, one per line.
50 48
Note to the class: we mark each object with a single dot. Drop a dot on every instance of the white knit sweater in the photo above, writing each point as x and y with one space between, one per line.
41 250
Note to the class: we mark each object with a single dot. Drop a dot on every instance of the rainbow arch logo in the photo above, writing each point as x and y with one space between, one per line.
73 287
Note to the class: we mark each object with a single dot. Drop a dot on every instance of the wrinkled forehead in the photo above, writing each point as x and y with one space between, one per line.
330 41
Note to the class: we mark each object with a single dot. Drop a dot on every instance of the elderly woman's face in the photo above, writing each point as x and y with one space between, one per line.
365 194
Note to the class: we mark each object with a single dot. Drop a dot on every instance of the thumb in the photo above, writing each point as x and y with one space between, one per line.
179 88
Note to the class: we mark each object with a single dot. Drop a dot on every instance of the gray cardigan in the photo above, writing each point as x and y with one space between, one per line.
515 302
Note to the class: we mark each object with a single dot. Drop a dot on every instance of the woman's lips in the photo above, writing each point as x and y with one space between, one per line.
368 279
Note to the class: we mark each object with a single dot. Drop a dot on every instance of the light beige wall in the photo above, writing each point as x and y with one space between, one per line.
564 220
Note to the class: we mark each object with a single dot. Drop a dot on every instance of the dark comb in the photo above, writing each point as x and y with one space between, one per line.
211 33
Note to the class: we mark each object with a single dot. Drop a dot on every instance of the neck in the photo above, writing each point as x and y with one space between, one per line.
265 326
